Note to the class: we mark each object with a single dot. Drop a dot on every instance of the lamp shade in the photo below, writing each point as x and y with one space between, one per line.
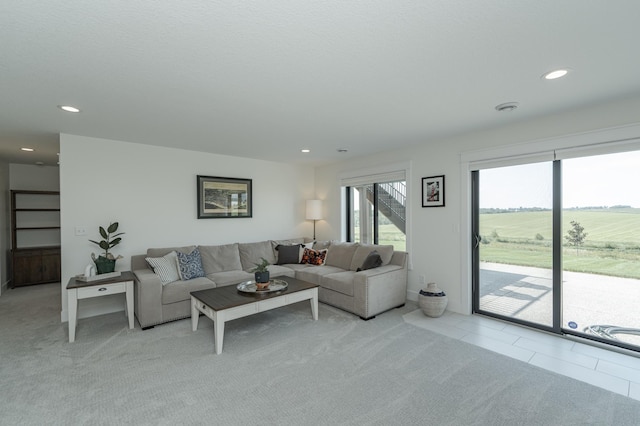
314 209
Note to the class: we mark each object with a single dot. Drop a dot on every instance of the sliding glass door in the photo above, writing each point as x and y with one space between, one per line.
556 245
601 255
514 243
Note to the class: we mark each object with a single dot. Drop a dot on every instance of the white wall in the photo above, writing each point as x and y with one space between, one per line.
151 192
439 236
34 178
5 230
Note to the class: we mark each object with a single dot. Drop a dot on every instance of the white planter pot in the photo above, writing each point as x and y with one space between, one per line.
432 301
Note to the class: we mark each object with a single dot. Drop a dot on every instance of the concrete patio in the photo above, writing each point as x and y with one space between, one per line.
525 293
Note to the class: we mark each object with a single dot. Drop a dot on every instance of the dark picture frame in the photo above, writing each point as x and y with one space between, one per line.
222 197
433 191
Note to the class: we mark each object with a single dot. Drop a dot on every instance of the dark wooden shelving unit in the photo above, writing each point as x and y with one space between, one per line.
33 264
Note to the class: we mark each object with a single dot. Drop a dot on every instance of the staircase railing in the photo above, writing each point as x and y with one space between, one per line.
392 197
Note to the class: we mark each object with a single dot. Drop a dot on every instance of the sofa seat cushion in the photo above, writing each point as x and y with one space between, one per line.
220 258
340 255
296 266
251 253
178 291
229 277
280 270
342 282
363 250
313 274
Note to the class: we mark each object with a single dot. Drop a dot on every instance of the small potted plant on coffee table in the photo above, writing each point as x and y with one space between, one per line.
261 274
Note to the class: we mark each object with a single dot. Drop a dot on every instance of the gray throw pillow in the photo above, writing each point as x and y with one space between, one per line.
373 260
288 254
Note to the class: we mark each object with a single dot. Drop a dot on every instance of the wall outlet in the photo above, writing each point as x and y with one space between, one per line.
81 230
423 279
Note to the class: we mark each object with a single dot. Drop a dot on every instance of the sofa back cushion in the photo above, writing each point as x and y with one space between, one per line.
363 250
159 252
341 254
220 258
321 245
250 254
288 242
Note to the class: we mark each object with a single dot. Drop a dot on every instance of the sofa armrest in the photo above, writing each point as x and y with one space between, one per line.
148 297
380 289
138 262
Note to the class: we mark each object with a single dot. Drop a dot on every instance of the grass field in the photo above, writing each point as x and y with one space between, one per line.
390 235
612 245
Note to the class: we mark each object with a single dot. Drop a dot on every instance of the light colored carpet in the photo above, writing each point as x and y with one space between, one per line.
279 367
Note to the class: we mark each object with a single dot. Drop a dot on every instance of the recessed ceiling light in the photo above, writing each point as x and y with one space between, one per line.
305 150
68 108
27 149
552 75
508 106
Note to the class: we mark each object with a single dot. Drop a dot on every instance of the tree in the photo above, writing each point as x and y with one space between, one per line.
576 235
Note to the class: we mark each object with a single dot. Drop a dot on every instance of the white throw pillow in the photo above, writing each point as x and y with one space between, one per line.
165 267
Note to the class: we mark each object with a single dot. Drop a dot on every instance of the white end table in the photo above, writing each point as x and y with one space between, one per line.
77 290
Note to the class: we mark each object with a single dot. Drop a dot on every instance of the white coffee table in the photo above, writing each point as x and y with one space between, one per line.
224 304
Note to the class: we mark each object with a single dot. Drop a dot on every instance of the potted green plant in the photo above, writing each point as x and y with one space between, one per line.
106 262
261 273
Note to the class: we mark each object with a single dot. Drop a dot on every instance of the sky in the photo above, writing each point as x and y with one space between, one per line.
603 180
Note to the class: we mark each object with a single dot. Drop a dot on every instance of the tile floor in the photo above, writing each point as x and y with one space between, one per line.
607 369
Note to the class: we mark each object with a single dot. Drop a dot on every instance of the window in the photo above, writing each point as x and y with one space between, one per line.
376 209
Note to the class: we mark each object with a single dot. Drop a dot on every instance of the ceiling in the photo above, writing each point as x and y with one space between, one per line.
265 79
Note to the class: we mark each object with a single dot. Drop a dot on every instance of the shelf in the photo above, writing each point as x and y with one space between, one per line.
21 249
35 237
37 227
36 210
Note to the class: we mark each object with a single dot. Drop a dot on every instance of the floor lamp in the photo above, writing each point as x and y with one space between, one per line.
314 212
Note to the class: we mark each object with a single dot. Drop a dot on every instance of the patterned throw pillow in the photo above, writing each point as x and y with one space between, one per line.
165 267
302 249
190 265
314 257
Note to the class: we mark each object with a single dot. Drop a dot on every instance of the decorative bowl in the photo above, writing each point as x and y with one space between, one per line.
262 286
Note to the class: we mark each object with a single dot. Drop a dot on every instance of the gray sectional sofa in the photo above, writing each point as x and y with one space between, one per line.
365 293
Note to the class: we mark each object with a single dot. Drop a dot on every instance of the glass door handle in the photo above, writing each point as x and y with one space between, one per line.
478 240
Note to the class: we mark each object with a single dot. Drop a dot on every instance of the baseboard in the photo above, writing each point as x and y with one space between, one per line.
4 287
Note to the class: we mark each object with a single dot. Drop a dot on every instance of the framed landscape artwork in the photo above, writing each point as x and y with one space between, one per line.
433 191
220 197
